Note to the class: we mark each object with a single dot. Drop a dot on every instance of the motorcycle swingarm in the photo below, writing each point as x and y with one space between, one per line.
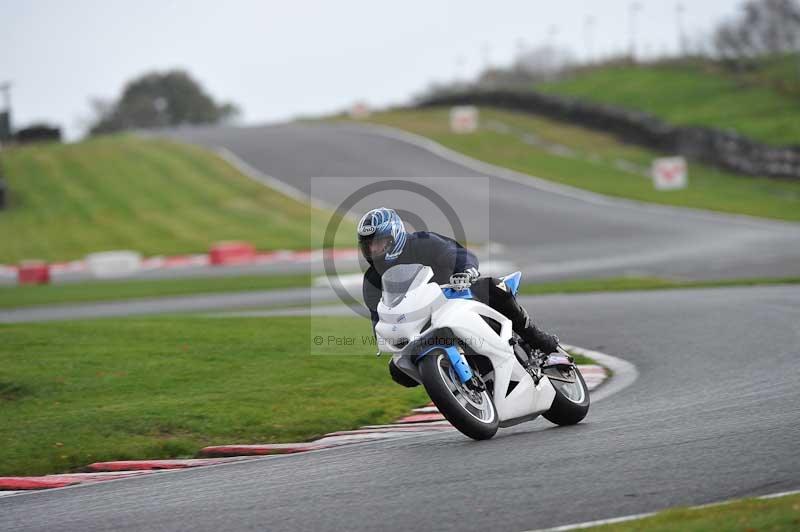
555 375
517 420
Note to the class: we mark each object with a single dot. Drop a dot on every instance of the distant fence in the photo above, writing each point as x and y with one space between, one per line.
712 146
39 133
3 192
5 126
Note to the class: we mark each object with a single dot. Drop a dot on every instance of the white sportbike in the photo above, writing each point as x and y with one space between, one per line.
469 360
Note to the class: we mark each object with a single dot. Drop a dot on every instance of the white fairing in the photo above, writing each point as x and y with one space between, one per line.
402 324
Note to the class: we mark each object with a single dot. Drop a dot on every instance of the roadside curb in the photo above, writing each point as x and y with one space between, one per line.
622 372
149 465
259 450
422 420
61 480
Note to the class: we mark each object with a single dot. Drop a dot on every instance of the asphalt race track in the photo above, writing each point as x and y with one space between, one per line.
712 416
550 231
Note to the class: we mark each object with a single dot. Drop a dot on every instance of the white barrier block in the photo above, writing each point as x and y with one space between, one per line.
110 264
463 119
670 173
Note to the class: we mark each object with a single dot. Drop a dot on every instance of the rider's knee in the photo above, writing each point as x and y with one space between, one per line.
399 377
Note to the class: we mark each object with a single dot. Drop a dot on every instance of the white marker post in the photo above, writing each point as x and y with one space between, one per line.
670 173
359 110
464 119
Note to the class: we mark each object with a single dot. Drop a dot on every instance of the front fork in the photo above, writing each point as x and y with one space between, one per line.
459 363
461 367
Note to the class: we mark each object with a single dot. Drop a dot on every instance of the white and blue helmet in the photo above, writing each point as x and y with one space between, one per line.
381 233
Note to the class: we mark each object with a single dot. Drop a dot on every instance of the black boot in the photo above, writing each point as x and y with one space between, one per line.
538 339
533 335
486 290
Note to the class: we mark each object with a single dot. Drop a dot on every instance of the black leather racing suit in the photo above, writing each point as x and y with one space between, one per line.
446 257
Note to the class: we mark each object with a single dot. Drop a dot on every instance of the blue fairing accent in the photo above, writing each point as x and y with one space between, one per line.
450 293
512 282
457 360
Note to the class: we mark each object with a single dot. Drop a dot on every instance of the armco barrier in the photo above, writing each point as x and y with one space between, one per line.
33 272
712 146
231 253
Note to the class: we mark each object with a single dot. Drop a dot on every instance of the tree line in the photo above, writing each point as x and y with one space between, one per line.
159 99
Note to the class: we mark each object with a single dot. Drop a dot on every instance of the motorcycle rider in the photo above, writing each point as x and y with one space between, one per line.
384 243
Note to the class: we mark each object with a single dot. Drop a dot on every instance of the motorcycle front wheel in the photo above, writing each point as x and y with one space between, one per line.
470 411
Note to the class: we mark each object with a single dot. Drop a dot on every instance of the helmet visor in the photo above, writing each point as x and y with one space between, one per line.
373 247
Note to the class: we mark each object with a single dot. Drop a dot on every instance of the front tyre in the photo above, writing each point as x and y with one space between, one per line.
471 412
571 403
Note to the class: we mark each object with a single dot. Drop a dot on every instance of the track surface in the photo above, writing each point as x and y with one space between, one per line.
550 232
547 231
712 416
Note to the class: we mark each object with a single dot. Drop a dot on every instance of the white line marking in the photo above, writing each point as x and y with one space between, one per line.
780 494
623 372
257 175
276 184
600 522
557 188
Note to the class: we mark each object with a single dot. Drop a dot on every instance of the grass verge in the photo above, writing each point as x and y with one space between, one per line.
765 515
596 161
77 392
620 284
84 292
153 196
27 296
581 359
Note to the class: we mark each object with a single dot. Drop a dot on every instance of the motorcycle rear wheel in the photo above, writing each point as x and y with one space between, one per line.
473 413
571 403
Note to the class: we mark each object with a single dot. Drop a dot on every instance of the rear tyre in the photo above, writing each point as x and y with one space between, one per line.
572 399
471 412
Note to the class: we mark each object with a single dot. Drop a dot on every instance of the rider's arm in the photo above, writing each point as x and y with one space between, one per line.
449 257
371 290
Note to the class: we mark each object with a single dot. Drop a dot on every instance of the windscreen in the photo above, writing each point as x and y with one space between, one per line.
400 279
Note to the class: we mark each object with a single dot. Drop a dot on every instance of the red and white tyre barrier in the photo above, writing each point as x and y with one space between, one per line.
222 255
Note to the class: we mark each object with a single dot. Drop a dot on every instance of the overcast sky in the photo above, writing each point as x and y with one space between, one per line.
281 59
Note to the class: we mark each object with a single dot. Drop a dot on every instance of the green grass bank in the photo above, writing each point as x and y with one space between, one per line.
596 161
699 94
127 192
77 392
